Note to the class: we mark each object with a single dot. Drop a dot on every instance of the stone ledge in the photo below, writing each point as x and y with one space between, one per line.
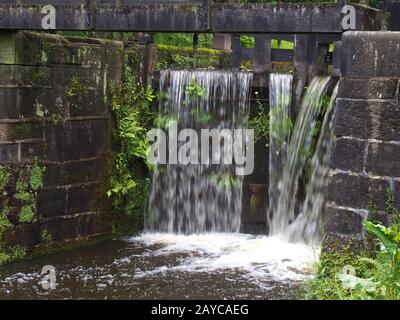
343 222
371 88
70 173
370 54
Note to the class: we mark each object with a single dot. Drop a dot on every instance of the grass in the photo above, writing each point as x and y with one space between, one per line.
372 273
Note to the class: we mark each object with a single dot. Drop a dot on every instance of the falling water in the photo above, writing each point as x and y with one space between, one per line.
297 155
306 227
280 88
193 198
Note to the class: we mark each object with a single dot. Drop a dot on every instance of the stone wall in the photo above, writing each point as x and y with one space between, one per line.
55 114
365 165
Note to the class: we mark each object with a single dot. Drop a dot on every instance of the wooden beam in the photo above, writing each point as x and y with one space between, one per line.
186 16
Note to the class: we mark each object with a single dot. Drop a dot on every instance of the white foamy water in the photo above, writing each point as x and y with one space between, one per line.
255 257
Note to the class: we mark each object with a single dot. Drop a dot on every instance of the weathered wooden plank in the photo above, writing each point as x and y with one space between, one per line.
291 18
262 53
279 18
173 17
186 16
165 17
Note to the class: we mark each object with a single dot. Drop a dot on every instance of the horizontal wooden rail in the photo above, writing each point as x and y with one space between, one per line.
184 16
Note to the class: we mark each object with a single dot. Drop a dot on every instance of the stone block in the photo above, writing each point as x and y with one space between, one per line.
23 235
88 77
344 222
87 102
73 172
368 88
84 55
356 191
84 199
77 227
8 152
25 76
370 54
24 102
31 151
348 154
21 131
367 119
384 159
52 203
75 140
8 47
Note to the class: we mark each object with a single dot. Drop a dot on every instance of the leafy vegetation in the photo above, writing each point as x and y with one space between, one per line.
180 57
224 180
131 105
372 273
184 39
4 178
26 214
260 123
21 184
281 130
8 255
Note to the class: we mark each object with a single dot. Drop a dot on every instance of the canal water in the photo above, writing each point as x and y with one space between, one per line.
167 266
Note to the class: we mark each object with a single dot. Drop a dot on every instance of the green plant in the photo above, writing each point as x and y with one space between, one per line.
4 222
200 116
372 208
26 214
46 237
128 187
375 272
183 39
282 130
36 177
260 123
223 181
8 255
389 239
247 41
75 87
4 177
193 91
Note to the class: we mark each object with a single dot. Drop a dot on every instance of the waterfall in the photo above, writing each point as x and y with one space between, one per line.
297 155
306 227
197 198
280 90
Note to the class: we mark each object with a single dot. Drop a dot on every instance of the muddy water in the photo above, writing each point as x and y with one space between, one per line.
165 266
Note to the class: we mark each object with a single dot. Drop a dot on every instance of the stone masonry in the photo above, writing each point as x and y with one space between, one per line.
366 161
55 108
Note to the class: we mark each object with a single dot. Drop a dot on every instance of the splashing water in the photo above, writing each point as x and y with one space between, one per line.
307 226
259 258
280 89
297 154
200 198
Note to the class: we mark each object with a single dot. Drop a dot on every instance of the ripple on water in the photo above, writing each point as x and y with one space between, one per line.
156 266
